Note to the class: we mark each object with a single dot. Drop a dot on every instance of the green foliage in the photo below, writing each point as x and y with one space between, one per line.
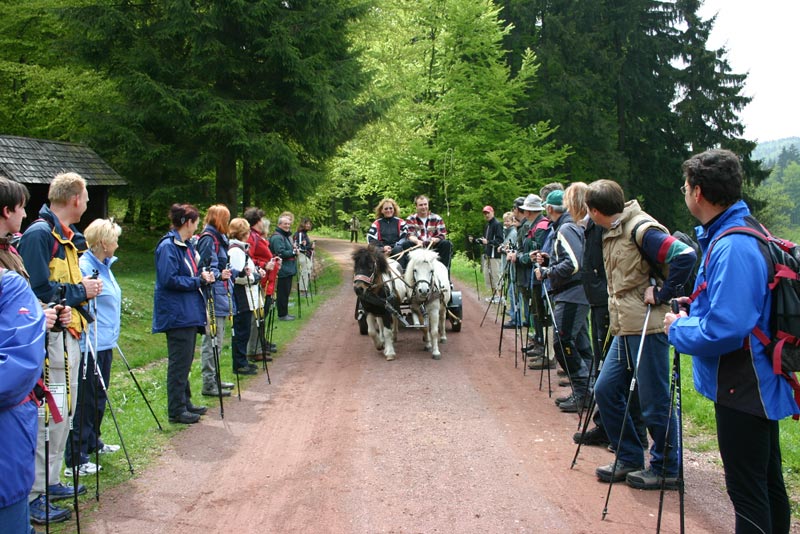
448 130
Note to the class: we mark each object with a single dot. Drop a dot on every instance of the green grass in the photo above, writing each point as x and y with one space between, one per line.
146 354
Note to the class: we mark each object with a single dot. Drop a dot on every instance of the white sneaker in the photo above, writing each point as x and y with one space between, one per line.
108 449
88 468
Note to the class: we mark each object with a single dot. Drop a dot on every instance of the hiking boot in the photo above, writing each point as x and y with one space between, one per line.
561 400
564 383
40 511
214 392
647 479
534 349
85 469
199 410
63 491
246 371
573 405
607 473
541 363
561 372
186 418
596 436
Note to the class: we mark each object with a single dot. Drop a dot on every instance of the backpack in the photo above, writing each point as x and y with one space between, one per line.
783 268
660 271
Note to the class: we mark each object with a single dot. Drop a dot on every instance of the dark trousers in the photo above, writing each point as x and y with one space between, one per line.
180 349
751 455
283 289
445 250
354 236
241 335
572 345
84 437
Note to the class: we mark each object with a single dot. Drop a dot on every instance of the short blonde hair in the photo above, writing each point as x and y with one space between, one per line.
239 229
65 186
101 231
508 217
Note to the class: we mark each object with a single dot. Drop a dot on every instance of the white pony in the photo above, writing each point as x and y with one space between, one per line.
376 281
430 292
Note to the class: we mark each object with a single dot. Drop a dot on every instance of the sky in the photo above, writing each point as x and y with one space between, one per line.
763 39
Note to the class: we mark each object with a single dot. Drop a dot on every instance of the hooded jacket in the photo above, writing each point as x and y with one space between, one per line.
177 301
21 359
109 301
212 247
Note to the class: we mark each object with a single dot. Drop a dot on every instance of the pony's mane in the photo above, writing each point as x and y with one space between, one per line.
363 255
422 254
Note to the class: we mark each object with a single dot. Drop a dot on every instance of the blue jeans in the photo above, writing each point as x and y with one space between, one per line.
15 518
653 379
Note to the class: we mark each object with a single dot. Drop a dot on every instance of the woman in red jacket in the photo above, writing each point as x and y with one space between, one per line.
262 257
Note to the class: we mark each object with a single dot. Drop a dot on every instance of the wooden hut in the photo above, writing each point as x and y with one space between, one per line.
34 162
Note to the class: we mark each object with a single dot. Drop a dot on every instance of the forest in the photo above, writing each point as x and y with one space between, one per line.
327 106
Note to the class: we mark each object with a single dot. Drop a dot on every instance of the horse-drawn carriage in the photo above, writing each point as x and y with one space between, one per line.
420 296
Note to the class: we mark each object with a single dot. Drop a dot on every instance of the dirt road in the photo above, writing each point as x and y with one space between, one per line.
346 442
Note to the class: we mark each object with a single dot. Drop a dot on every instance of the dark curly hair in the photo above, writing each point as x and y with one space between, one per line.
718 174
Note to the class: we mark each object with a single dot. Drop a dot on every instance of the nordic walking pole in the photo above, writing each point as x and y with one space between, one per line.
212 331
675 396
47 432
138 386
102 385
75 474
628 404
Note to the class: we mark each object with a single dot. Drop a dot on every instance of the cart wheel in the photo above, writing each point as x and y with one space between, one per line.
455 326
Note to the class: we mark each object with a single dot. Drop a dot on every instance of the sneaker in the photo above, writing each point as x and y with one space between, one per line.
596 436
287 318
563 383
227 385
647 479
246 371
561 372
534 349
41 511
510 324
60 491
607 473
108 449
186 418
85 469
574 405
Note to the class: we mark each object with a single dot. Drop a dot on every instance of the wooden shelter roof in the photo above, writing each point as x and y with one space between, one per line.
37 161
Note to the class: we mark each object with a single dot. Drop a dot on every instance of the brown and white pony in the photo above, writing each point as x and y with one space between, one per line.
376 281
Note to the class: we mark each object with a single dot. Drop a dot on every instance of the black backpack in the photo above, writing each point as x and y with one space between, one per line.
783 268
659 272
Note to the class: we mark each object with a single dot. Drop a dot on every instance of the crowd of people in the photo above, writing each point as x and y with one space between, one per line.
579 264
576 265
59 296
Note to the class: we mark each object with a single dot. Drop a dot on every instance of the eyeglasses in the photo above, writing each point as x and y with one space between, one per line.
683 189
388 208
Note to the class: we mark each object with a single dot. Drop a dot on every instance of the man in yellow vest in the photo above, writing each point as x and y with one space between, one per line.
49 249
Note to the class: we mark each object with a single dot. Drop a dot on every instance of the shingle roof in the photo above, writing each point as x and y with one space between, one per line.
37 161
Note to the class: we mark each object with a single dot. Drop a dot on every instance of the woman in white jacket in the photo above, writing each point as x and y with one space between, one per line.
245 293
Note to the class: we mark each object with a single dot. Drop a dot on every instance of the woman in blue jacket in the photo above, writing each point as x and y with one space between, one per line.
179 308
101 237
21 359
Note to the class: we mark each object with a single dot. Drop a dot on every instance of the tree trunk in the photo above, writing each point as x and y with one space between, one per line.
227 184
130 213
247 183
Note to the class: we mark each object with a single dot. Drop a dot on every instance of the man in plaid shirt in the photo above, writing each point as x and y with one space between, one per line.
427 229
